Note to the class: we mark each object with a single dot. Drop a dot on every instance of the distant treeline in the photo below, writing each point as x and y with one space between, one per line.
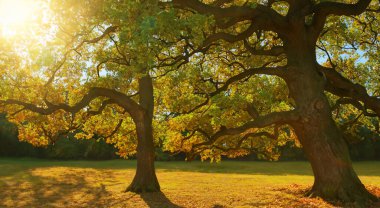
365 146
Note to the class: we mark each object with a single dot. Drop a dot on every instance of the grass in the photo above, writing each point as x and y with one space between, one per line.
46 183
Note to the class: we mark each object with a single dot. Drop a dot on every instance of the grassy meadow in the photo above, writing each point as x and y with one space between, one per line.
47 183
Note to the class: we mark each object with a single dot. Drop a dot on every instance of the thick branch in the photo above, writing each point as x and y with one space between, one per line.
231 38
239 144
278 118
324 9
277 71
355 103
115 97
343 87
267 18
336 8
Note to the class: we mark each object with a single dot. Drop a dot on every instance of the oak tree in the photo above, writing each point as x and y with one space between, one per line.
313 37
89 68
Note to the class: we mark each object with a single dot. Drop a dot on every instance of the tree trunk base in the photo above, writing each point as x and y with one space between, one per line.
356 196
137 187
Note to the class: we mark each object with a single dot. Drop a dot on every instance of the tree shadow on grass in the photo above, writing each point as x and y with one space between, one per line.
69 190
62 187
158 200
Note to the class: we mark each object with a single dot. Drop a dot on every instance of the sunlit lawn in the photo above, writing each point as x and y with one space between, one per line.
43 183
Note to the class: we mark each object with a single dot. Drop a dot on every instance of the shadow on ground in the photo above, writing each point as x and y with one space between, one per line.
33 191
158 200
63 187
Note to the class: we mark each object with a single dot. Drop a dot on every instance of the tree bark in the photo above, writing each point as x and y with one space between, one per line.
323 143
145 179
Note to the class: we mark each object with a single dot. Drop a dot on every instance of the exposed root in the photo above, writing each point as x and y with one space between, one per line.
358 197
143 188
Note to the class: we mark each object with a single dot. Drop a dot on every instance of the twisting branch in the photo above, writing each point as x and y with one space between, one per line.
324 9
355 103
116 97
181 59
278 71
276 118
106 32
264 16
239 144
200 147
230 37
343 87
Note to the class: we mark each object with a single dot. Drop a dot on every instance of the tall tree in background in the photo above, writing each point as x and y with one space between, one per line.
292 28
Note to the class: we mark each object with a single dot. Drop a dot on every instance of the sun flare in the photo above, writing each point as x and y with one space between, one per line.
16 14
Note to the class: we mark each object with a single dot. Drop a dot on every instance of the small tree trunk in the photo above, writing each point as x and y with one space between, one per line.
322 141
145 179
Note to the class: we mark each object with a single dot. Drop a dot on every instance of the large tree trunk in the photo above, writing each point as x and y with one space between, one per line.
145 179
323 143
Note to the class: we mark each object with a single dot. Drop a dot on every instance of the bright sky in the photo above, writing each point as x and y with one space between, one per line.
16 15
